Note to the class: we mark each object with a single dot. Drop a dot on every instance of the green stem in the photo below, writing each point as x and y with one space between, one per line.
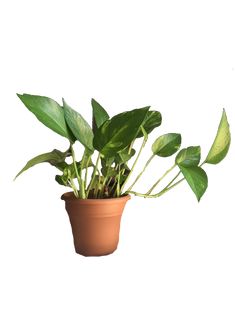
140 174
142 194
134 164
93 175
86 171
105 179
109 181
159 180
172 180
103 187
80 181
96 194
118 183
163 191
73 186
169 186
113 186
157 194
82 163
130 147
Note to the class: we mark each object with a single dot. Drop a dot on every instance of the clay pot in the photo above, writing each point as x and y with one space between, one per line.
95 223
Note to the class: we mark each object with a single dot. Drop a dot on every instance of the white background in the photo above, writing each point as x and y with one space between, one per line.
175 255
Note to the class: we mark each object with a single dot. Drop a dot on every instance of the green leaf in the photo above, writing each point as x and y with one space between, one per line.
69 171
79 127
189 156
124 155
117 133
55 158
196 178
109 171
167 144
61 180
220 146
47 111
153 119
99 114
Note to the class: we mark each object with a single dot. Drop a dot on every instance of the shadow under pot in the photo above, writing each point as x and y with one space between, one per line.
95 223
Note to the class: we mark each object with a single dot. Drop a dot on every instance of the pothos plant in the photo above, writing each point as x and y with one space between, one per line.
111 141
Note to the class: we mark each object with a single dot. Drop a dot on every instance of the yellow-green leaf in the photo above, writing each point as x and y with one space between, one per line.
189 156
166 145
220 146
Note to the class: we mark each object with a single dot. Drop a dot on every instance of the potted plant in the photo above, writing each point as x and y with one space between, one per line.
100 181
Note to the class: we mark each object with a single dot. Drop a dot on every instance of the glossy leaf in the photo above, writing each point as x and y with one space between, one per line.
66 177
167 144
196 178
107 161
109 171
79 127
153 119
189 156
99 114
220 146
69 171
124 155
55 158
47 111
60 179
118 132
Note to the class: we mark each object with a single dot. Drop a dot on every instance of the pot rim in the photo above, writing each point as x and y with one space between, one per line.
69 196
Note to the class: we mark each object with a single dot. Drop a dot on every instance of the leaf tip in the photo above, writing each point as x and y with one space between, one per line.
19 95
16 176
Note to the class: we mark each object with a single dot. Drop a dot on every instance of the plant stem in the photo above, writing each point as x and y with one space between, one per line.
157 194
140 174
159 180
96 193
93 175
172 180
82 163
80 181
142 194
73 186
118 183
105 179
130 147
134 164
86 171
169 188
163 191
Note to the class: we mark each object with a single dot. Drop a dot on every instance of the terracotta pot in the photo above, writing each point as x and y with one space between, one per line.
95 223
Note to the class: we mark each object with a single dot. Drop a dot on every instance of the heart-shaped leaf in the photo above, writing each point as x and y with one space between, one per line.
55 158
79 127
99 115
117 133
167 144
189 156
153 119
220 146
47 111
196 178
